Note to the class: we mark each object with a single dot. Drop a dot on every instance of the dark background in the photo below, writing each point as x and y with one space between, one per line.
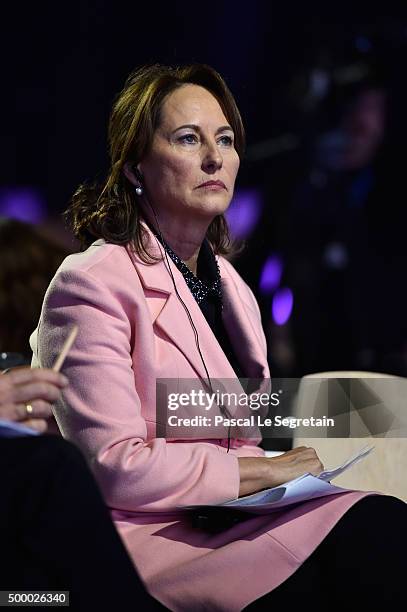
63 63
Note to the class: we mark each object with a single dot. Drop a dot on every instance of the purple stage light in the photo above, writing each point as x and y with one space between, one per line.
22 203
244 212
271 274
282 305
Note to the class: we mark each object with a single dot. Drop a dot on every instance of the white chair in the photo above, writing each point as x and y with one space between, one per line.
381 423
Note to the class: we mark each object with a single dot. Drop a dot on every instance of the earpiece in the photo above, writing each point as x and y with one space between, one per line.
137 173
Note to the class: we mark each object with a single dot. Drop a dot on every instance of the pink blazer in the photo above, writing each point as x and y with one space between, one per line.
133 330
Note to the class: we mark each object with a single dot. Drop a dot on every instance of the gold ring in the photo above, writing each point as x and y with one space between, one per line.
29 409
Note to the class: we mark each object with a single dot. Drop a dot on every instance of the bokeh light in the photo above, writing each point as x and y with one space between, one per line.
244 212
23 203
282 305
271 274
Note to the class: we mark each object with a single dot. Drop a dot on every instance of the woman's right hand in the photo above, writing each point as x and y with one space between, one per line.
257 473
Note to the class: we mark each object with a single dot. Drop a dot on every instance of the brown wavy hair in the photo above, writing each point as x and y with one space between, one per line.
111 210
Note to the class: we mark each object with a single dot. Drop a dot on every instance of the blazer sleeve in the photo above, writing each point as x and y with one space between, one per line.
100 410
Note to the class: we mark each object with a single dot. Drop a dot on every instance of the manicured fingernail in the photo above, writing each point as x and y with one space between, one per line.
64 379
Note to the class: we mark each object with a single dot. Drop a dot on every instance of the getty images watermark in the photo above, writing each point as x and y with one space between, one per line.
228 401
281 408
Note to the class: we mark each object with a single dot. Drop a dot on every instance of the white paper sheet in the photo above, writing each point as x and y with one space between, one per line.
300 489
10 429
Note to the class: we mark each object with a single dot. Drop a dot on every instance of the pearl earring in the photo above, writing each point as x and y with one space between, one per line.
139 190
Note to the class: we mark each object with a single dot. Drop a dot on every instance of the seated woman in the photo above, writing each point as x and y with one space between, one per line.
154 297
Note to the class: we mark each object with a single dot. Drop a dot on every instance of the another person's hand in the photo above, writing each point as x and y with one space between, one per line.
257 473
26 396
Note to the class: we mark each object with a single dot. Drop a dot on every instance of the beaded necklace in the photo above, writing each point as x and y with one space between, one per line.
199 288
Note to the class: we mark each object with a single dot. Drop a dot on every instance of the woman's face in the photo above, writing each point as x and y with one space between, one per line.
191 168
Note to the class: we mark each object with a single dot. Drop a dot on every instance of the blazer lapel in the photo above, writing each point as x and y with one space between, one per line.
244 329
172 318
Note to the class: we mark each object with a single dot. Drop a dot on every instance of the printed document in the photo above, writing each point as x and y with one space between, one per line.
300 489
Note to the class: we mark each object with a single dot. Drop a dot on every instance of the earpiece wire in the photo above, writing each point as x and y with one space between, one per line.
221 407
